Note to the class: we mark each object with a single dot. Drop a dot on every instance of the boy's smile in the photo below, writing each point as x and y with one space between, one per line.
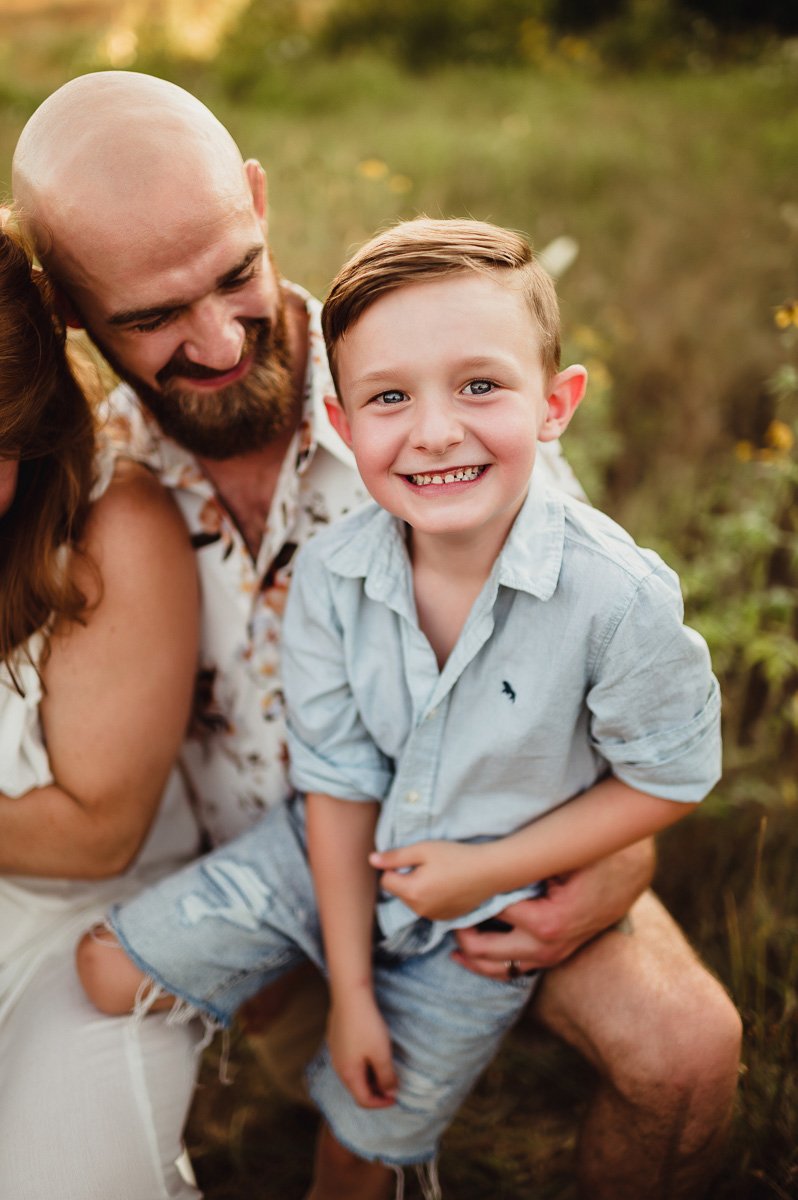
445 400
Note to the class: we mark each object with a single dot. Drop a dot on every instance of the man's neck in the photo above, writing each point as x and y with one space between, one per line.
246 483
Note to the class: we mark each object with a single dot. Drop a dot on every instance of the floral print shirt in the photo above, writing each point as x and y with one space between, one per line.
234 758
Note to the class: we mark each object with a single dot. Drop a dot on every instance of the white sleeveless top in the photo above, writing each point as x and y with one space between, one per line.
37 915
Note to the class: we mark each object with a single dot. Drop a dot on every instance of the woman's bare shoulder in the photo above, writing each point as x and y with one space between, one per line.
136 519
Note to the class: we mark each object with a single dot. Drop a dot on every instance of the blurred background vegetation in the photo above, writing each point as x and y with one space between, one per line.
662 137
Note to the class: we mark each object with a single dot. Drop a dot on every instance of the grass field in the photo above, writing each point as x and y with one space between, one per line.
681 193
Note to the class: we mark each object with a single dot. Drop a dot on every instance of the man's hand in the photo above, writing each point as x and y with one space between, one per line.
574 910
438 880
360 1048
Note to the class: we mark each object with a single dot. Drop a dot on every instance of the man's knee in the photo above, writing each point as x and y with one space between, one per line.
684 1053
646 1012
701 1039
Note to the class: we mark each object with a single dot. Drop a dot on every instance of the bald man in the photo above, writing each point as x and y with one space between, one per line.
155 233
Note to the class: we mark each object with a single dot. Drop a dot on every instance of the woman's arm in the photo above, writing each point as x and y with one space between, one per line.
452 878
118 692
340 837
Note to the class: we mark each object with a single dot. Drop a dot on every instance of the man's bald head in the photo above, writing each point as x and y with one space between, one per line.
153 229
116 156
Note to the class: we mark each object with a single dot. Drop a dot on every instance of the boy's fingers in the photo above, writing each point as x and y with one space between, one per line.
391 860
357 1081
395 884
370 1088
385 1077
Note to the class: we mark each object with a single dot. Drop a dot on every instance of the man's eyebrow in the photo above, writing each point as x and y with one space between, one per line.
134 316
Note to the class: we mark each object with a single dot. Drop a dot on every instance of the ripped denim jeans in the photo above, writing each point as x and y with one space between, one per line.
229 924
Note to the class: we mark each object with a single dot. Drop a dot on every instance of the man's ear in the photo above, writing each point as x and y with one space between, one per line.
565 394
63 305
338 419
256 178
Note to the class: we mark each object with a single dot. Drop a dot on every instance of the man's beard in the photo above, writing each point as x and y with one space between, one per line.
244 416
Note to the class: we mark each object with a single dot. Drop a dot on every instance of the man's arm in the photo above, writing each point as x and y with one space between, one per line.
118 691
340 836
576 908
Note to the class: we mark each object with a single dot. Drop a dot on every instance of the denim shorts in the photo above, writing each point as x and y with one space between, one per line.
227 925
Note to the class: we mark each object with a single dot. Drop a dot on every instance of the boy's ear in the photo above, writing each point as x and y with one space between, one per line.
565 394
338 419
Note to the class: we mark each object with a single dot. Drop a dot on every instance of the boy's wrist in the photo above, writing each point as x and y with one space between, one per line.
490 867
345 988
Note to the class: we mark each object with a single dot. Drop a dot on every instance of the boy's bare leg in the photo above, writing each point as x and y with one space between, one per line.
665 1039
341 1175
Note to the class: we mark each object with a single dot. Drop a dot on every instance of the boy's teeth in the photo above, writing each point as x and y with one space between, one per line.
464 474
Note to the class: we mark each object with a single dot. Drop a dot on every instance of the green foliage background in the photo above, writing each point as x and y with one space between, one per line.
663 139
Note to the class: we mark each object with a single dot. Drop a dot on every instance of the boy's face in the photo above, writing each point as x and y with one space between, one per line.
444 401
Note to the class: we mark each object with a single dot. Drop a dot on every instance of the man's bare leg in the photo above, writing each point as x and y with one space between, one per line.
341 1175
665 1039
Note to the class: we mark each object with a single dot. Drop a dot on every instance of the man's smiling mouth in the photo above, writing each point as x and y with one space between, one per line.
458 475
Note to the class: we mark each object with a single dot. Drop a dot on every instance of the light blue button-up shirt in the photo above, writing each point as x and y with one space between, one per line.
573 663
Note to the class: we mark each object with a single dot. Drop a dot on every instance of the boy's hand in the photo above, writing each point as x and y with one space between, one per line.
361 1049
443 882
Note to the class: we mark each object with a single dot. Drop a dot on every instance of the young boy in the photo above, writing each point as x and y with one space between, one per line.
460 659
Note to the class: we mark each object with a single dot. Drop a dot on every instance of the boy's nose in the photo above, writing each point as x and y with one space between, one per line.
216 338
436 427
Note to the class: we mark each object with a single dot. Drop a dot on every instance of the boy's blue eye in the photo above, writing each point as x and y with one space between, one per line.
392 396
479 387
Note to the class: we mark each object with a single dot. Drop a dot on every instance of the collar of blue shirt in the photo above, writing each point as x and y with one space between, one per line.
530 560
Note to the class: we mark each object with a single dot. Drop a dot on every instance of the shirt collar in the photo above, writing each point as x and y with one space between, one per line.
530 559
130 425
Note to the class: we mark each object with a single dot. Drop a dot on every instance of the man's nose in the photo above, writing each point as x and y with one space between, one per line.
216 337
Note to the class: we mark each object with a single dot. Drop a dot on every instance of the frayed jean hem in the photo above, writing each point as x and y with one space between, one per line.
186 1006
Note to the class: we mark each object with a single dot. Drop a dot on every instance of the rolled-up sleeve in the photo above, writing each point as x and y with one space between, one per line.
654 702
330 750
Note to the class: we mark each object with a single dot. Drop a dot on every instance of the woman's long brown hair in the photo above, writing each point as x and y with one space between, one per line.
46 422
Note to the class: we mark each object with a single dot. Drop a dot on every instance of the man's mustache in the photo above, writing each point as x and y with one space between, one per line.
258 331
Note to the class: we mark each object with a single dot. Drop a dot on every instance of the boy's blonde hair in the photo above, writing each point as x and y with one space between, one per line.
426 248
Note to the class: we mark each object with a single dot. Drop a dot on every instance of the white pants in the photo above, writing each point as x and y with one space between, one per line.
91 1107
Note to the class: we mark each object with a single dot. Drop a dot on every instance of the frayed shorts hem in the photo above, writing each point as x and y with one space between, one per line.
200 1008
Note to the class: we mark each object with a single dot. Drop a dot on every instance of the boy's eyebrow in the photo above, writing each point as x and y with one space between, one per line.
132 316
478 362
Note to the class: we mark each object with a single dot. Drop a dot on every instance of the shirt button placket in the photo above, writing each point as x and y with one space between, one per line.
417 789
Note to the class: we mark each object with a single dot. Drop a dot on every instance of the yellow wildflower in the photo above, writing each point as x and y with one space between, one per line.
779 436
373 169
786 314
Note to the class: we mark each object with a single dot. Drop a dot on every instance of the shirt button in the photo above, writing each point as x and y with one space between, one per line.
412 798
433 712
